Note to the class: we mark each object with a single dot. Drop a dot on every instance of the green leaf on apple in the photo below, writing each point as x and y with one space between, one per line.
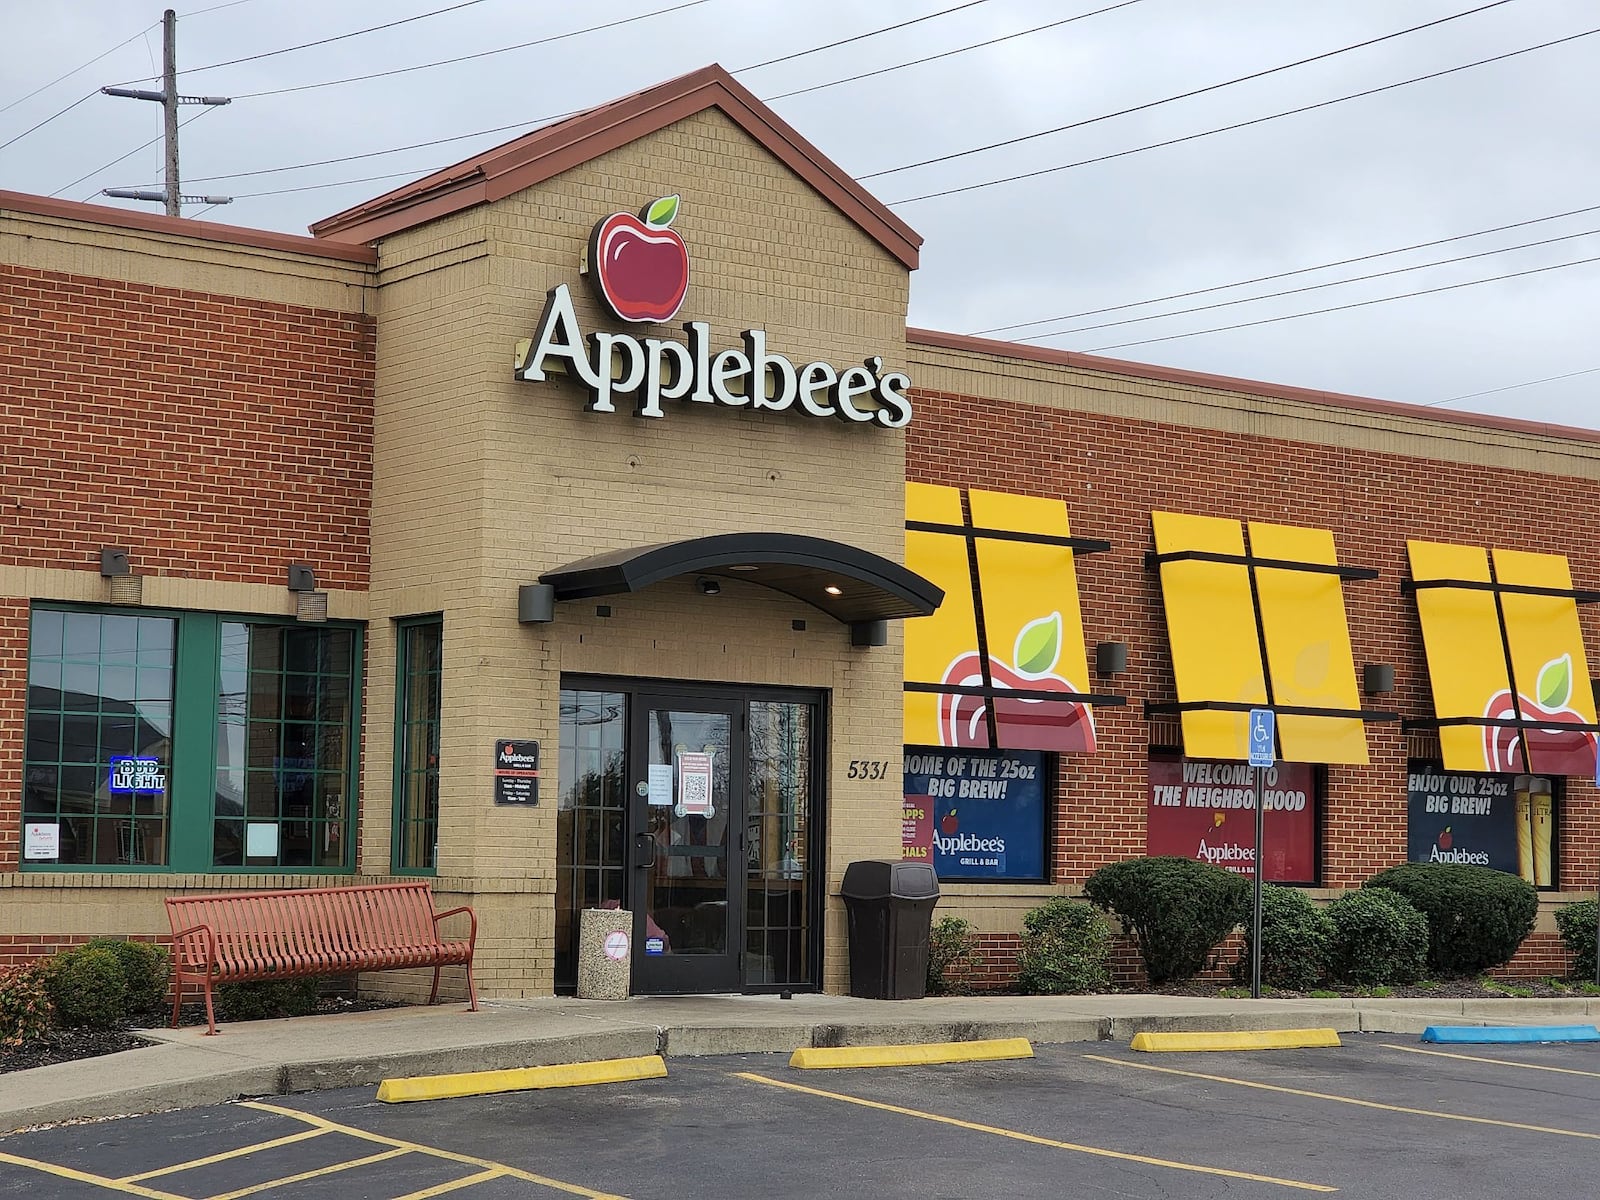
662 213
1555 682
1039 645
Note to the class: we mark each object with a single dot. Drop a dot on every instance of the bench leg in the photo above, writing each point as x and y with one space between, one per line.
211 1016
177 997
472 990
433 996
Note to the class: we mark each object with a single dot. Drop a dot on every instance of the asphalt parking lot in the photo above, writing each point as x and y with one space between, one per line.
1380 1117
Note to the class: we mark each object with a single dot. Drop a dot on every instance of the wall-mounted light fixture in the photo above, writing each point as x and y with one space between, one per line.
536 603
869 633
126 587
1111 658
708 586
309 604
1377 678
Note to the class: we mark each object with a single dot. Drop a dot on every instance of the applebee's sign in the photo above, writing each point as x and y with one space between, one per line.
639 269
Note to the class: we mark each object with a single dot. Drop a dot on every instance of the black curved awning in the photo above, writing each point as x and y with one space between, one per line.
869 587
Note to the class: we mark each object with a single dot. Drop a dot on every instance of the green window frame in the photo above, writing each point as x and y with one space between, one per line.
418 710
238 733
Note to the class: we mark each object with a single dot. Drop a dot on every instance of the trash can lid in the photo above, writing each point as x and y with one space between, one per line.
881 880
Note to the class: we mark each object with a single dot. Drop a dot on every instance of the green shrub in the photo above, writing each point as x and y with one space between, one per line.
1379 937
146 971
1477 916
953 958
1576 923
1295 935
267 998
1176 909
1065 947
24 1006
87 987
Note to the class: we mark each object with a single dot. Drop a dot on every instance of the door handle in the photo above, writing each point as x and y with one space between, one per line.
644 850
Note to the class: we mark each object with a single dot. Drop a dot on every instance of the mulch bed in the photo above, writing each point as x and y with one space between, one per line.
68 1045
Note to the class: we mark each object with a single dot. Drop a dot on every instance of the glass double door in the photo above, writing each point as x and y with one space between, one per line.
696 808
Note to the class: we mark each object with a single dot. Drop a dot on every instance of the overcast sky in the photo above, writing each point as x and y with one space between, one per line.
1507 142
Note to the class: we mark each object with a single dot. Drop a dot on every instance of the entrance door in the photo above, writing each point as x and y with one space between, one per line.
687 756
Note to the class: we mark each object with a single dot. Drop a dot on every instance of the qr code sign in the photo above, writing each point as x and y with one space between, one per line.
694 784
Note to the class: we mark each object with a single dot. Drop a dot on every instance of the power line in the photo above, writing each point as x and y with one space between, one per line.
129 154
1512 387
444 62
917 62
1310 287
1305 108
47 120
943 12
1214 87
1341 262
233 62
47 86
1449 287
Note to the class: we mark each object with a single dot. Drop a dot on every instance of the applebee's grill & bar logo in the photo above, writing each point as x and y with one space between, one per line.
639 269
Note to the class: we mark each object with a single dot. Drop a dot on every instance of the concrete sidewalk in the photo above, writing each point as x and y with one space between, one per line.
257 1058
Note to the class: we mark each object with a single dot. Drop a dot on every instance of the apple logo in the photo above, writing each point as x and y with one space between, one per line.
638 266
948 825
1022 723
1549 749
1446 838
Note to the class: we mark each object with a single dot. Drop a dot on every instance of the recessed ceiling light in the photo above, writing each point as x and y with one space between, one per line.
745 567
834 591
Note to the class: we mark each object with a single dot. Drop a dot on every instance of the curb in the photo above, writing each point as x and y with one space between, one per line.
521 1079
812 1058
1259 1039
1467 1035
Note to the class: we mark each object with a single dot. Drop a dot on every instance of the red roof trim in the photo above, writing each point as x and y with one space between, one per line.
545 153
210 231
1229 383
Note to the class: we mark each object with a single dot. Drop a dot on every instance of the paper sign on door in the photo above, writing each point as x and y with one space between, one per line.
694 785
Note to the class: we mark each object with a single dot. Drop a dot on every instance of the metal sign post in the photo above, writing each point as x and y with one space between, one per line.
1597 897
1263 742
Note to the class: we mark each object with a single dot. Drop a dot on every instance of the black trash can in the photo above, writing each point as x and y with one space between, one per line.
890 907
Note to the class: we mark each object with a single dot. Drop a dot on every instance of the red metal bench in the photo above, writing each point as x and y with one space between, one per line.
232 937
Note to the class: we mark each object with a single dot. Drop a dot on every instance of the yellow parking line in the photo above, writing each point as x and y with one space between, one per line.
1499 1062
115 1185
316 1174
433 1151
1289 1091
442 1188
224 1156
1034 1140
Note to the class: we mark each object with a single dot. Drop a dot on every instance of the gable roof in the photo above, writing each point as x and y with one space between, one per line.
545 153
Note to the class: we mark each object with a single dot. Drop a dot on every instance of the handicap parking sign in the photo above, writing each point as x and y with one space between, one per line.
1263 727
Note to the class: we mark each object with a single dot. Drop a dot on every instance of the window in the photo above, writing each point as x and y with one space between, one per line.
1485 819
188 742
98 756
416 829
590 816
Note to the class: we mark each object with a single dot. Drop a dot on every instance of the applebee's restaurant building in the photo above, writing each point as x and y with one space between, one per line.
583 526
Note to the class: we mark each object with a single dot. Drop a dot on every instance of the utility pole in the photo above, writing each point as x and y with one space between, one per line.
171 194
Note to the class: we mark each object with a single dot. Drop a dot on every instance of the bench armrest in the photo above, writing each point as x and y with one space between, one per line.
208 941
472 934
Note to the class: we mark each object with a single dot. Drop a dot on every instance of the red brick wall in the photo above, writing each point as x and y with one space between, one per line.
1113 471
215 437
212 436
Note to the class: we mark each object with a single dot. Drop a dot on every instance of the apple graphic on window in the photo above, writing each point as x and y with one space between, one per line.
1023 723
1446 838
1550 749
948 825
638 266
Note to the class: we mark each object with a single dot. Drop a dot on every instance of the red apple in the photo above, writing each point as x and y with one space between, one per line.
1545 749
639 267
1445 838
948 825
1023 723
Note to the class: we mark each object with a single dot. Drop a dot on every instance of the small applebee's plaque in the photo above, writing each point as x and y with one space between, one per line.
516 772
